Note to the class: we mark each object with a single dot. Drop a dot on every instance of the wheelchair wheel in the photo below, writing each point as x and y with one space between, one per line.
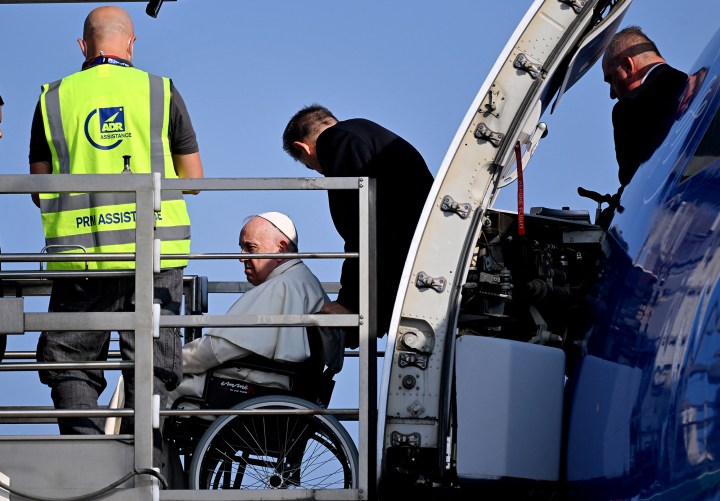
275 451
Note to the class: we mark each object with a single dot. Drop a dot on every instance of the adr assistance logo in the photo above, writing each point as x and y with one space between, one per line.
105 127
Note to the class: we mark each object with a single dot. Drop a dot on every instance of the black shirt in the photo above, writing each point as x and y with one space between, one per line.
643 117
355 148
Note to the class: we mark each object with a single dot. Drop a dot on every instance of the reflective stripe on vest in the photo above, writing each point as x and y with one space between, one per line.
107 112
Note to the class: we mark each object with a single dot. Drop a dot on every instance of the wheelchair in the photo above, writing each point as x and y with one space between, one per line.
264 450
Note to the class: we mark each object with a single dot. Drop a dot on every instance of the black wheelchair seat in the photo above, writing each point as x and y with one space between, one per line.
309 379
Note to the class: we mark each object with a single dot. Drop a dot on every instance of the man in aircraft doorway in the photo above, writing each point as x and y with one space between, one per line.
648 91
361 148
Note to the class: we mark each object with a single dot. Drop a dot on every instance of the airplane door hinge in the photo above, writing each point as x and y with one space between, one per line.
413 360
411 439
425 281
450 205
523 62
483 132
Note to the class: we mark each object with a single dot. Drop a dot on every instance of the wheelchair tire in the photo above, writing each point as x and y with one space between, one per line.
275 451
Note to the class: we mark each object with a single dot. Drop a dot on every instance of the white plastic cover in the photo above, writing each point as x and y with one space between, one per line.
509 405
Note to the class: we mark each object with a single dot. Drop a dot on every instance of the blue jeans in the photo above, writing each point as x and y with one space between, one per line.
80 389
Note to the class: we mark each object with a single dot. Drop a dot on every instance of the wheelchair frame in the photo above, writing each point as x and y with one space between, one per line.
266 450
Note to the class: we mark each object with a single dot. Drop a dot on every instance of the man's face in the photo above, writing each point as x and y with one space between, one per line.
259 236
312 163
308 154
617 77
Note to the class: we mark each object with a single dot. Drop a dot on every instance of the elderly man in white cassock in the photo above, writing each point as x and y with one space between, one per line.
281 287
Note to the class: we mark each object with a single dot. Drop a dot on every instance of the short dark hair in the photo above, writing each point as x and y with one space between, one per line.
303 125
631 41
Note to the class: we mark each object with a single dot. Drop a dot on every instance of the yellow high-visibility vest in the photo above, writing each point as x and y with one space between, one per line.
92 119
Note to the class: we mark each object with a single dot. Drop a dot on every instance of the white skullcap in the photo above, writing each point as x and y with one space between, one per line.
282 223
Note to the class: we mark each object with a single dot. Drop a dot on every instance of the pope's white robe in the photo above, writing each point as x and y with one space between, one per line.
291 289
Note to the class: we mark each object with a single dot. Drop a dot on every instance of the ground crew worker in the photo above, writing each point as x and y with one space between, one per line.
85 124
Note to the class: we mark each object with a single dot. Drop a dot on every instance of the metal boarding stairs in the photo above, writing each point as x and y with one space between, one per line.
64 467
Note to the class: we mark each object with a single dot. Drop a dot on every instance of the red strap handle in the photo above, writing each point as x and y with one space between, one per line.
521 190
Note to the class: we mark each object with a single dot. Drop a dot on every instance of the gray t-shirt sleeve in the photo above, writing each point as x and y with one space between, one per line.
181 133
39 149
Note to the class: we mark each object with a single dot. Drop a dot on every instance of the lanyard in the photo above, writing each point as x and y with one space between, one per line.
103 59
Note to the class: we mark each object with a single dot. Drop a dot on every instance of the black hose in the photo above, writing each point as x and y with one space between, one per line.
91 495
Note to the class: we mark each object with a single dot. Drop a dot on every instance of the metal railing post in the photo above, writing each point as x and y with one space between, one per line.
143 353
368 340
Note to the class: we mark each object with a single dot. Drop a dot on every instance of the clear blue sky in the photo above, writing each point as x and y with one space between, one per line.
244 67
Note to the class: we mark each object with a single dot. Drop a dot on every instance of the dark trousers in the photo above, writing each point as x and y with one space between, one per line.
80 389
